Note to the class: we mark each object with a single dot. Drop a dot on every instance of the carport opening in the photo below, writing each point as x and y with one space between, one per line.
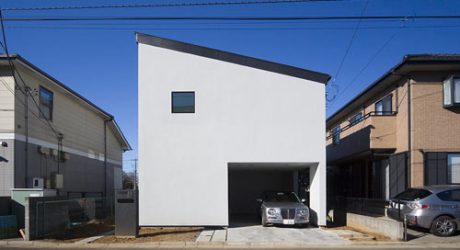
247 182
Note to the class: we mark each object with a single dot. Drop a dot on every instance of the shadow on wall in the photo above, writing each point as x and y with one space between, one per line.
5 205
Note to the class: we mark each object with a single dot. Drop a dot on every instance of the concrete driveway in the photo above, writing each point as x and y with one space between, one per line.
258 233
250 230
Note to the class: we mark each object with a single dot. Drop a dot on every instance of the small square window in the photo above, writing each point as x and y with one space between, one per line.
183 102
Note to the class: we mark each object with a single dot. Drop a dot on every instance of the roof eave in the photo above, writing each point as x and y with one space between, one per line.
106 115
411 58
232 58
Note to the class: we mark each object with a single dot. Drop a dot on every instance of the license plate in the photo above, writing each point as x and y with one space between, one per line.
288 222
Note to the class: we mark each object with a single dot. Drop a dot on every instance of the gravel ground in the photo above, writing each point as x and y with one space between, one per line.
152 234
79 233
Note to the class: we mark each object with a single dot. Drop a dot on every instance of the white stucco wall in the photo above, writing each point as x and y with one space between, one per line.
241 114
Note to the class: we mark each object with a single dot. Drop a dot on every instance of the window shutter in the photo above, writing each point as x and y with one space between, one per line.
435 168
398 173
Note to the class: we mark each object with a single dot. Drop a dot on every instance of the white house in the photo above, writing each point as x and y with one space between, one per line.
216 129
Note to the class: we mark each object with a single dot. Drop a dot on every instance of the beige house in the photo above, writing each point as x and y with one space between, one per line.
63 142
400 132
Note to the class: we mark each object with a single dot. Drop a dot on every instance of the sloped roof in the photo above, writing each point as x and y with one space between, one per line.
232 58
410 63
112 123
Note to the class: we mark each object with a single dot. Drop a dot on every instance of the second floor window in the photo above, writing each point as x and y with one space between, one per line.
451 89
46 103
384 106
183 102
356 118
336 135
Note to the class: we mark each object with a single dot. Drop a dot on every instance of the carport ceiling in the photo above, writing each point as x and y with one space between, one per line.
269 165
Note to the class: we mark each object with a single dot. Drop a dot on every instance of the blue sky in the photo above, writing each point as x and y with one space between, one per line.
99 59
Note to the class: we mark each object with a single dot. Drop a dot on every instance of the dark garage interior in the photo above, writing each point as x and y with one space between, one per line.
246 185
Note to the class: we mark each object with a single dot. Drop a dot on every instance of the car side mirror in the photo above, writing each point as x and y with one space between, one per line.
303 200
259 200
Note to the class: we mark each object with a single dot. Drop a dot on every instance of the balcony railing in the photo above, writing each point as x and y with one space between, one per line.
366 116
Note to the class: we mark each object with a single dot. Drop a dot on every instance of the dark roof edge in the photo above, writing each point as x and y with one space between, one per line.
60 84
406 59
232 58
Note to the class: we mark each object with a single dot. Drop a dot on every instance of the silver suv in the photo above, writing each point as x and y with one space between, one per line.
433 207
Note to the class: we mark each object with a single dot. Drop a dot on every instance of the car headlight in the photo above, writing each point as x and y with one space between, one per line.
272 211
302 212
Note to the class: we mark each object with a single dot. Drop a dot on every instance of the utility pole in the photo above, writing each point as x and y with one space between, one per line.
26 128
135 175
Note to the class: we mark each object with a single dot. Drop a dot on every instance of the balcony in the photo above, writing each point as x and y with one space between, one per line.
373 131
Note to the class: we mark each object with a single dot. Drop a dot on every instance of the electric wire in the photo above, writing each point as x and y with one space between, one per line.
14 71
385 44
223 18
166 5
350 44
21 101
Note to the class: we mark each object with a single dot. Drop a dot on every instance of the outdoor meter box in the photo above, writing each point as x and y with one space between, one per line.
126 213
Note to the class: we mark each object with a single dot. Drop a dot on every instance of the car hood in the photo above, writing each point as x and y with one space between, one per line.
284 205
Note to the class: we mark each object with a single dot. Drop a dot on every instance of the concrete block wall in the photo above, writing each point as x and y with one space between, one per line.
376 225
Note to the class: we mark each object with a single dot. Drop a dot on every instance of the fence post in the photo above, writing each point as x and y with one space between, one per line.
405 227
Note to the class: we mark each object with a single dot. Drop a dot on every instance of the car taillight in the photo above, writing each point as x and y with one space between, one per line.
417 206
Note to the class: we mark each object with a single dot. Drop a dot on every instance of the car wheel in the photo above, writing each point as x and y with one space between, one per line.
443 226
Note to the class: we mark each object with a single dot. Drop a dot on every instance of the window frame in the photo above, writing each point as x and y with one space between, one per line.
182 112
49 106
353 121
451 83
436 168
383 113
336 135
447 168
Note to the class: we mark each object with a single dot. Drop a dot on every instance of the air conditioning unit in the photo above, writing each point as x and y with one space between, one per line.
54 152
43 150
65 156
57 181
38 182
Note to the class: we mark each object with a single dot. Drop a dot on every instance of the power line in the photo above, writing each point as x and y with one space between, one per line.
210 18
165 5
14 71
369 62
83 27
21 101
337 73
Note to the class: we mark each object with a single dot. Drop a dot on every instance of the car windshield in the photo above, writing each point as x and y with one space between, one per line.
280 197
413 194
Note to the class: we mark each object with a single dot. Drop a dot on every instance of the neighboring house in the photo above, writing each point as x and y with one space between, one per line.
216 129
91 143
402 131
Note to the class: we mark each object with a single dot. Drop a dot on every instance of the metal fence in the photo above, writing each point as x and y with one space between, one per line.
65 219
363 206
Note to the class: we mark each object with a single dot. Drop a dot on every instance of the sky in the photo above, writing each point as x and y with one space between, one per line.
99 59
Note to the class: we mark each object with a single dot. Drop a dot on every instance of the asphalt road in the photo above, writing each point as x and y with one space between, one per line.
334 248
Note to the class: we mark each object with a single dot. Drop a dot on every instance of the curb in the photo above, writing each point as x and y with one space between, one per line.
228 245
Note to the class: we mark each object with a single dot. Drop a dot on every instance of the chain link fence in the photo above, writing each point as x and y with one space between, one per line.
68 219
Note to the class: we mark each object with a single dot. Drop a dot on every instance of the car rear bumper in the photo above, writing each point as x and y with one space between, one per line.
414 218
